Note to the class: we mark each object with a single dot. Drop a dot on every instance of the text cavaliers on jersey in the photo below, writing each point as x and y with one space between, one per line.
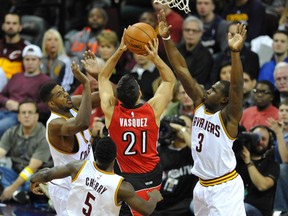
207 125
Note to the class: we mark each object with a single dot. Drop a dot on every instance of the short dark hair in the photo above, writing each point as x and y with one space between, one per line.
105 150
127 90
226 87
45 91
28 100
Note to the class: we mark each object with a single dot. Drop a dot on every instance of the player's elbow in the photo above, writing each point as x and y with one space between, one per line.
83 125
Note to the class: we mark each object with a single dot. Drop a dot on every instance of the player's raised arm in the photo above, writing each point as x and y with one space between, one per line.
107 97
164 92
193 89
71 126
233 111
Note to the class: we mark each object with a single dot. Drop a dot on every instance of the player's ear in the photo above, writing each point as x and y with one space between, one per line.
51 103
139 94
225 100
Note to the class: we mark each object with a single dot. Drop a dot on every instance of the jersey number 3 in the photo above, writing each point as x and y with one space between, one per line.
131 137
200 142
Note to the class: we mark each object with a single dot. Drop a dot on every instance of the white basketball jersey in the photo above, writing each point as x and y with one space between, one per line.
94 192
85 151
211 145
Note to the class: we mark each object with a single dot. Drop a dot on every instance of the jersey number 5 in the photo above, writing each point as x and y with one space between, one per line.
88 211
132 139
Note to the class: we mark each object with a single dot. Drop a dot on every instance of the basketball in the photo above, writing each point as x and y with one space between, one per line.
137 36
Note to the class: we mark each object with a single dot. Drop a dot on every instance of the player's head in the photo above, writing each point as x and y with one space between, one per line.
105 151
218 95
55 97
45 91
128 91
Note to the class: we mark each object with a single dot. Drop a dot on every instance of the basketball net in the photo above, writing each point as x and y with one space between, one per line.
180 4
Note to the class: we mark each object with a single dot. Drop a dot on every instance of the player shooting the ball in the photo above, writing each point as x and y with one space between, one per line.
134 125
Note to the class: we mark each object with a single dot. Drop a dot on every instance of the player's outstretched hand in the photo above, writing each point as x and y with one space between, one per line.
90 63
236 41
156 195
152 49
164 28
81 77
122 47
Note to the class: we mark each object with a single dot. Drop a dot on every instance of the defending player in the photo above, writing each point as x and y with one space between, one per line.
67 130
220 190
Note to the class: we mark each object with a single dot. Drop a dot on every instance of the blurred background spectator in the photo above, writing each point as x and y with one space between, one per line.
181 103
247 12
146 74
250 59
107 44
215 27
55 62
283 21
248 86
130 10
22 86
12 45
175 157
259 170
262 109
281 152
3 79
77 43
28 150
198 58
281 83
280 54
173 18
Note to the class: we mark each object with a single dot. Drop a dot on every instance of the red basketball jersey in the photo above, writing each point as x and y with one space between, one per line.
135 133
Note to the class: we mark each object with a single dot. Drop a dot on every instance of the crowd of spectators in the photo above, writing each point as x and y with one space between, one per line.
201 38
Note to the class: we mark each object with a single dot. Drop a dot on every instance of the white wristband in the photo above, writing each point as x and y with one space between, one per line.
168 38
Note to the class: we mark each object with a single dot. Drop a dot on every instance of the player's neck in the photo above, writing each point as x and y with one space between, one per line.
63 112
105 167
